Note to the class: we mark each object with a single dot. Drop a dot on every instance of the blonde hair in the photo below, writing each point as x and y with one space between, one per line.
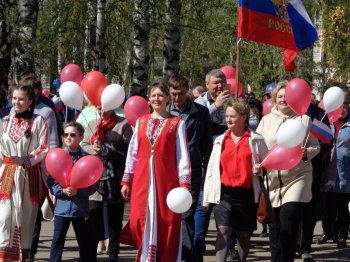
274 92
239 105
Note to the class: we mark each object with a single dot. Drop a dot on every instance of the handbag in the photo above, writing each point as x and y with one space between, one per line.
265 214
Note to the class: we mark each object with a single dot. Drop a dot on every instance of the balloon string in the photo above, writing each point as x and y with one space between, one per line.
308 134
86 122
66 115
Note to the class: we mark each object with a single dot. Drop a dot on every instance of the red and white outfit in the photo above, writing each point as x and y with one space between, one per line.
157 162
20 185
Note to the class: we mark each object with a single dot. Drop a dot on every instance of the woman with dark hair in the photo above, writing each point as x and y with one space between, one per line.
157 162
23 146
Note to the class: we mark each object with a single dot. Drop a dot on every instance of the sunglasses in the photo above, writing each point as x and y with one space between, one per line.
65 135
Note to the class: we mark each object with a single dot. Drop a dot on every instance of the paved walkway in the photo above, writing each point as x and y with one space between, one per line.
259 247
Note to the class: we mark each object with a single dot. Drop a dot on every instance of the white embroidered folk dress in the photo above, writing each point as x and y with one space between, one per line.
20 185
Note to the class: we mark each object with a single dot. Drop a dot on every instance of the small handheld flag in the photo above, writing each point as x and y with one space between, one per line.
321 131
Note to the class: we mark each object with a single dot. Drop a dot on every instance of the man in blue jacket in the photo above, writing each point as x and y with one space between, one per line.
200 140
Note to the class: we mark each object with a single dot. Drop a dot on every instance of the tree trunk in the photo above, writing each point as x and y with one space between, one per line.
141 48
5 50
172 39
27 23
90 36
100 35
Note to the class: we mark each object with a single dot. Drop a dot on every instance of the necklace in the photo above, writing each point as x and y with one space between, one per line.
158 116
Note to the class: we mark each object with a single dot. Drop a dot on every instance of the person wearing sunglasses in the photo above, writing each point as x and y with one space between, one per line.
108 137
72 205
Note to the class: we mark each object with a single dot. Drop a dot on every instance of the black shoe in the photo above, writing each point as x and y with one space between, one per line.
341 243
264 234
323 239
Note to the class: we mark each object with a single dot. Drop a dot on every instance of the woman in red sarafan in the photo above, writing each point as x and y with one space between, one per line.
157 162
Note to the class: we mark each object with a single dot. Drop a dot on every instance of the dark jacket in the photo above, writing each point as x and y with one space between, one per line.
199 134
113 155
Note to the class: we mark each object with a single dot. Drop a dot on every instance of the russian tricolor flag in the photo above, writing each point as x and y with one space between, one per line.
282 23
321 131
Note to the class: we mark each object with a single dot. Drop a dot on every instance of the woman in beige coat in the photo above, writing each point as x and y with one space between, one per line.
289 189
231 180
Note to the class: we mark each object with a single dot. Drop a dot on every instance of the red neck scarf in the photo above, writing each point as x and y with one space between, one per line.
103 127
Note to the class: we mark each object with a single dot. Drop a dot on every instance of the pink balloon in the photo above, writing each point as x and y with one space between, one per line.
232 82
45 92
86 172
59 166
334 115
229 71
282 158
71 72
267 106
135 107
298 95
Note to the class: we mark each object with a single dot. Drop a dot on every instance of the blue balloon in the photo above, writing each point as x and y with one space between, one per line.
56 83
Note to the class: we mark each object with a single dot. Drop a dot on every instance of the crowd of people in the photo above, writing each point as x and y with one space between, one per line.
201 139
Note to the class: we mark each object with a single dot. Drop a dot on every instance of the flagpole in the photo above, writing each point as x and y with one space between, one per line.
237 65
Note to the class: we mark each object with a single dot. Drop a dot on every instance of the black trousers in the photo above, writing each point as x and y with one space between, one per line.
82 229
284 232
337 223
188 220
115 223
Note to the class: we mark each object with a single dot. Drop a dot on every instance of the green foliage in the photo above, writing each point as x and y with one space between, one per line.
336 21
208 40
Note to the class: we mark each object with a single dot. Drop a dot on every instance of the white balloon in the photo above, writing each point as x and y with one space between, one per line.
291 133
333 98
72 95
112 97
179 200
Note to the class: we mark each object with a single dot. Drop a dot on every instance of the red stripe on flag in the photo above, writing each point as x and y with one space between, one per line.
265 28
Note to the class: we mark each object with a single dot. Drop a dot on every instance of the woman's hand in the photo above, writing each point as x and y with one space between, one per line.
125 191
97 147
304 151
17 160
70 191
256 169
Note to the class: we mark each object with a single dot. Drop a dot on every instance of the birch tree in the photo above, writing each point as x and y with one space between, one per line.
100 35
172 39
27 23
5 49
141 48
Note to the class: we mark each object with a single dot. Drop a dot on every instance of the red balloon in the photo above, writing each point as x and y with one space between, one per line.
135 107
267 106
59 166
282 158
298 95
86 172
334 115
232 82
45 92
229 71
71 72
93 84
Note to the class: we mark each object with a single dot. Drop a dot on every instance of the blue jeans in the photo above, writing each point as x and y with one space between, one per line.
82 229
201 224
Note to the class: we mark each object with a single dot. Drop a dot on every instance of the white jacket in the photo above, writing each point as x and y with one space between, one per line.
212 185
